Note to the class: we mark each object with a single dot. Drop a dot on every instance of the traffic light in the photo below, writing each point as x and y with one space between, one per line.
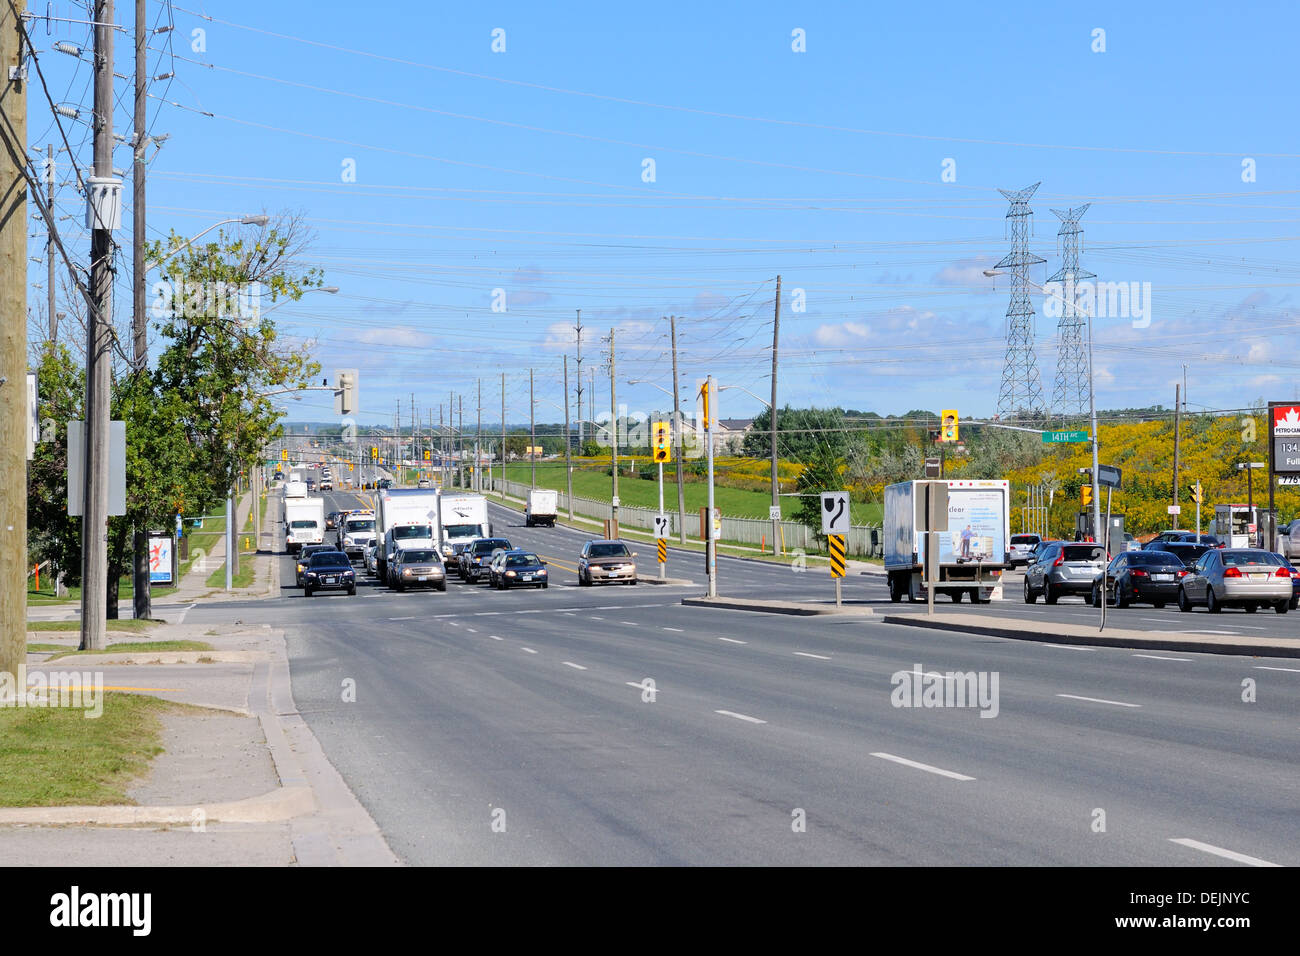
345 396
284 454
663 451
374 453
427 455
948 430
1085 494
704 402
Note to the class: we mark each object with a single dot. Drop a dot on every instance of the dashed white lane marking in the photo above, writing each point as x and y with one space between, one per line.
818 657
411 618
528 650
595 618
1232 633
576 667
454 623
732 640
1157 657
1289 670
679 630
1220 851
952 775
1097 700
495 638
471 630
1070 647
630 623
732 713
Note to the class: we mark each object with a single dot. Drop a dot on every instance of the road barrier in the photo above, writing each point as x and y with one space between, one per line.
861 540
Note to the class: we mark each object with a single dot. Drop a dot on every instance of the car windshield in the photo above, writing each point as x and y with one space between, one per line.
1242 559
521 560
1153 559
1187 553
302 524
367 525
460 530
1024 539
416 557
487 547
412 531
323 559
608 551
1083 552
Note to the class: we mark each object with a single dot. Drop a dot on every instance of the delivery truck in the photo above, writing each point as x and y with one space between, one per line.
464 518
542 508
404 519
973 551
304 522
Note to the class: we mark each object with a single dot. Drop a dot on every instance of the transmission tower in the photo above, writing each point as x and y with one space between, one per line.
1021 395
1070 394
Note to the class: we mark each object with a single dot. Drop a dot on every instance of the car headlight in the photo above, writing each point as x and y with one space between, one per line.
301 568
406 572
542 571
510 574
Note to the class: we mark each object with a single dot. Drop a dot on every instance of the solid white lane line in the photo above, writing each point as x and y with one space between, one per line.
1070 647
732 640
528 650
1232 633
818 657
411 618
1155 620
1220 851
679 630
1289 670
1251 627
576 667
1157 657
732 713
923 766
1097 700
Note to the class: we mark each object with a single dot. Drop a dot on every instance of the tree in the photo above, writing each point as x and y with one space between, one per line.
802 434
823 473
51 534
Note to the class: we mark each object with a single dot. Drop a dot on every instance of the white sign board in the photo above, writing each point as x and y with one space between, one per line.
717 524
33 404
662 526
835 512
1175 509
160 559
116 468
614 502
774 513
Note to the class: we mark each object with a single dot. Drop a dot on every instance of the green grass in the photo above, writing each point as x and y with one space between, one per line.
55 756
204 539
46 648
138 647
119 624
243 578
125 591
639 493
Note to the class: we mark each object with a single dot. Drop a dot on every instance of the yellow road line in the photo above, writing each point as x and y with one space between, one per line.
551 560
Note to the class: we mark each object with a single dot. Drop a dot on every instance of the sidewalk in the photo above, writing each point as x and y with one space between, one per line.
243 783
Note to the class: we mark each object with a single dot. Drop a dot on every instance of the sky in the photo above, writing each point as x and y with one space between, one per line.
635 161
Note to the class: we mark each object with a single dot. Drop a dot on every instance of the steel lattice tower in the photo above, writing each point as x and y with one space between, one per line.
1021 395
1070 393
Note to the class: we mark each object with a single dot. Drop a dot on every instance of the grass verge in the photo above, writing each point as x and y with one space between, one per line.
121 624
138 647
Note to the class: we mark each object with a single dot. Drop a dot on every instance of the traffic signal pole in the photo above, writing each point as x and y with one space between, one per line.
663 568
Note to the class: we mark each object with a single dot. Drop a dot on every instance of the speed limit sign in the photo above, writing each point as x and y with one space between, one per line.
835 512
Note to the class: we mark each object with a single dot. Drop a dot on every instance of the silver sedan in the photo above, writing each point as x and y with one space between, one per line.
1237 577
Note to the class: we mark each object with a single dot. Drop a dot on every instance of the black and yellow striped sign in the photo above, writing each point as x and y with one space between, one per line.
663 550
835 542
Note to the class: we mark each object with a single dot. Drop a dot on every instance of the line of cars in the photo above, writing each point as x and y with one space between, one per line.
1174 567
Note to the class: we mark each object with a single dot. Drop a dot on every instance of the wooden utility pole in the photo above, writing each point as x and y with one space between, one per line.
49 246
776 485
568 450
578 329
503 436
94 512
613 440
532 432
677 438
460 441
478 431
141 599
13 348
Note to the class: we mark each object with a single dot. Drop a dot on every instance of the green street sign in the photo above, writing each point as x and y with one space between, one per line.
1058 437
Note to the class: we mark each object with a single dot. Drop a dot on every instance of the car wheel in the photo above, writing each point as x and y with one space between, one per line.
1282 607
895 593
1030 596
1211 602
632 582
1159 605
545 585
956 596
352 591
1096 596
1184 602
1252 608
583 580
1049 596
400 586
1121 597
443 587
306 592
1295 601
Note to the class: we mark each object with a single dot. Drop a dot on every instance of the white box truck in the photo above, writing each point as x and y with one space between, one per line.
464 518
304 522
973 552
295 488
404 518
542 508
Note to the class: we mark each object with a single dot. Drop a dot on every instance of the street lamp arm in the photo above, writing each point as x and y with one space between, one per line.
243 220
765 404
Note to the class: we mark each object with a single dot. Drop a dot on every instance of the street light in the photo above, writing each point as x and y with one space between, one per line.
242 220
1092 403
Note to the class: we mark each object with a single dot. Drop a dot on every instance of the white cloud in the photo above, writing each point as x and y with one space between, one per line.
397 335
967 272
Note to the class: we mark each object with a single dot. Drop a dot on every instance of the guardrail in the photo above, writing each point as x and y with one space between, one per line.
863 540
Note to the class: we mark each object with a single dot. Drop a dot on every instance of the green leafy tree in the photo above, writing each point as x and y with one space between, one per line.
823 473
51 534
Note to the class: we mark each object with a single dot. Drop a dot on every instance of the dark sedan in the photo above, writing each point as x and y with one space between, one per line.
513 568
472 560
304 558
329 571
1141 576
1184 551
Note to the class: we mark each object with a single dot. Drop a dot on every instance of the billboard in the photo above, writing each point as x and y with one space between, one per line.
162 559
977 520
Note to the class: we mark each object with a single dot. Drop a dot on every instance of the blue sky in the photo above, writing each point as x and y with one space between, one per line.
822 166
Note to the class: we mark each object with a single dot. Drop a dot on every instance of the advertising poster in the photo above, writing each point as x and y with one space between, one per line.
161 563
976 527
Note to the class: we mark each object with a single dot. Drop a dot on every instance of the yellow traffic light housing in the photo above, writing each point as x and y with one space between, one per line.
948 428
1085 495
662 442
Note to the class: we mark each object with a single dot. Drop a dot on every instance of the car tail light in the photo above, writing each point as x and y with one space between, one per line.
1231 572
1060 559
1283 573
1183 572
1137 573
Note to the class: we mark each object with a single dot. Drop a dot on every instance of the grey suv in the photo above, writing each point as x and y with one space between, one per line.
1064 568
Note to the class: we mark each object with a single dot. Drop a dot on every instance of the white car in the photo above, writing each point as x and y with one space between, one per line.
1022 546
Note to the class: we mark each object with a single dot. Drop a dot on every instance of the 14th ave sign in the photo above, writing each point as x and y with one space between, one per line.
1059 437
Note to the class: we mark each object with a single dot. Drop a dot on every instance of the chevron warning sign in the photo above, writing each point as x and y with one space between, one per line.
835 543
663 550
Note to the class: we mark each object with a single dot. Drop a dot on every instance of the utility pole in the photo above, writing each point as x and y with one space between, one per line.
613 435
568 450
532 432
710 544
1177 423
13 349
677 438
141 598
478 430
460 441
776 486
503 436
578 329
49 245
94 516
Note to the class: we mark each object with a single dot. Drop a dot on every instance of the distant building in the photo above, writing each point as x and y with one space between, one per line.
730 435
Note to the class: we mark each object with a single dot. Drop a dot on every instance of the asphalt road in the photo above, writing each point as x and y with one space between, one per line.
519 728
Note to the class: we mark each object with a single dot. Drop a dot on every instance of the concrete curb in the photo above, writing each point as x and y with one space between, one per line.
778 607
169 657
1074 634
681 581
283 803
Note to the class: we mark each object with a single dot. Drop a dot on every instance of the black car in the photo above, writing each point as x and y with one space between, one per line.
512 568
473 559
1191 537
1146 576
1184 551
304 558
385 483
329 571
